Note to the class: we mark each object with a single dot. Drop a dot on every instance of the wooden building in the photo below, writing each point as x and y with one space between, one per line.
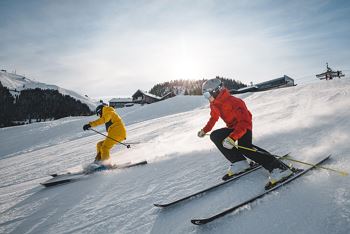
168 95
139 97
120 102
142 97
284 81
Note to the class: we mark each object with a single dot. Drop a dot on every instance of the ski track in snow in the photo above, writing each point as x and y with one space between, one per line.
310 121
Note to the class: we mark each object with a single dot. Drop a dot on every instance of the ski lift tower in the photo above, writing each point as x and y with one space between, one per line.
330 74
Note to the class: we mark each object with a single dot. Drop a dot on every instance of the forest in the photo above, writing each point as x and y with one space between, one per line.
191 87
36 105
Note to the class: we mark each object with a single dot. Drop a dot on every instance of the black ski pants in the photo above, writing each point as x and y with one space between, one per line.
269 162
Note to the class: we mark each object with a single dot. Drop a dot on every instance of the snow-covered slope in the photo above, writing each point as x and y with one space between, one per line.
39 135
310 121
17 82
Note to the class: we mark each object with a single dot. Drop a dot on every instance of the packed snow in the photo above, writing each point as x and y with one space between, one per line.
18 83
310 121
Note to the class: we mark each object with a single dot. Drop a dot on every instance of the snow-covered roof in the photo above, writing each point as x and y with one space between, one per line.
248 88
121 100
285 77
168 94
147 94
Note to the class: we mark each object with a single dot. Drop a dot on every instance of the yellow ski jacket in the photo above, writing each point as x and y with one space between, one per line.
114 124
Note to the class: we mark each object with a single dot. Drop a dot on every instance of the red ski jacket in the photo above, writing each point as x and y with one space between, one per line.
232 111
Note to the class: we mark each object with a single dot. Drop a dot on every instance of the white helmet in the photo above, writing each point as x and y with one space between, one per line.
212 88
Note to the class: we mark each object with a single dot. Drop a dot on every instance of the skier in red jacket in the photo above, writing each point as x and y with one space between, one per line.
238 132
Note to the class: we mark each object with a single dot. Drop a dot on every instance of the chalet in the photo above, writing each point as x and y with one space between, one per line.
139 97
142 97
121 102
168 95
284 81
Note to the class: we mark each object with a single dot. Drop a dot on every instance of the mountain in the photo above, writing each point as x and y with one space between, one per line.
16 83
310 121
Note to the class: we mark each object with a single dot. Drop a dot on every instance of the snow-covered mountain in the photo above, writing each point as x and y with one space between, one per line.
310 121
18 83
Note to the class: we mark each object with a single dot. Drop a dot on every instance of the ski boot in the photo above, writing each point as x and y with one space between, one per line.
277 176
98 165
236 168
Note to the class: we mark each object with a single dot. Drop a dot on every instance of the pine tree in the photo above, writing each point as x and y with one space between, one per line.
38 105
6 106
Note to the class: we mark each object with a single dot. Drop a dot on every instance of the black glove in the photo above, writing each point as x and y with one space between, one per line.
86 127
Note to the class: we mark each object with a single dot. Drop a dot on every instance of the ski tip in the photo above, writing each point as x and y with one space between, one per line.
137 163
56 174
55 183
47 185
198 221
159 205
50 184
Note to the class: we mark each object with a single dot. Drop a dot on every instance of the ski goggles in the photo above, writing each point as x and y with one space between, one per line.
207 95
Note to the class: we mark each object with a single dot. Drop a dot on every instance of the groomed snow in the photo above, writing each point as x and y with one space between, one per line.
310 121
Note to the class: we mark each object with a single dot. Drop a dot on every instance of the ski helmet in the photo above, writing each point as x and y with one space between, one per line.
99 109
212 88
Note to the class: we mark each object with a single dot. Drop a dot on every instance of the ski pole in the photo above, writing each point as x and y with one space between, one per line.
127 145
343 173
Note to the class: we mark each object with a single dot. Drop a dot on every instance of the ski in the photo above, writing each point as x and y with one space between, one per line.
197 194
253 168
63 179
234 208
125 165
70 177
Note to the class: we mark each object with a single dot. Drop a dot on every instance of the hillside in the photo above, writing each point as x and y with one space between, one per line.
37 105
309 121
17 83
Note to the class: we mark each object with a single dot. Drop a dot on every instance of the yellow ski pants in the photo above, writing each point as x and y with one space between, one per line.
103 147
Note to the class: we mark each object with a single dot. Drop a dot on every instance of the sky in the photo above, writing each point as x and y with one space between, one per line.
111 48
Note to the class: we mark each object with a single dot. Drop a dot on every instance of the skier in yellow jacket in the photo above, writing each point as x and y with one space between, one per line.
115 129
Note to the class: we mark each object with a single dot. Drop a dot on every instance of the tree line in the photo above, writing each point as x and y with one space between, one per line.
37 105
191 87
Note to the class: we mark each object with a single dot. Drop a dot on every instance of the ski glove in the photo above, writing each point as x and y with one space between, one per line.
86 127
229 143
201 133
